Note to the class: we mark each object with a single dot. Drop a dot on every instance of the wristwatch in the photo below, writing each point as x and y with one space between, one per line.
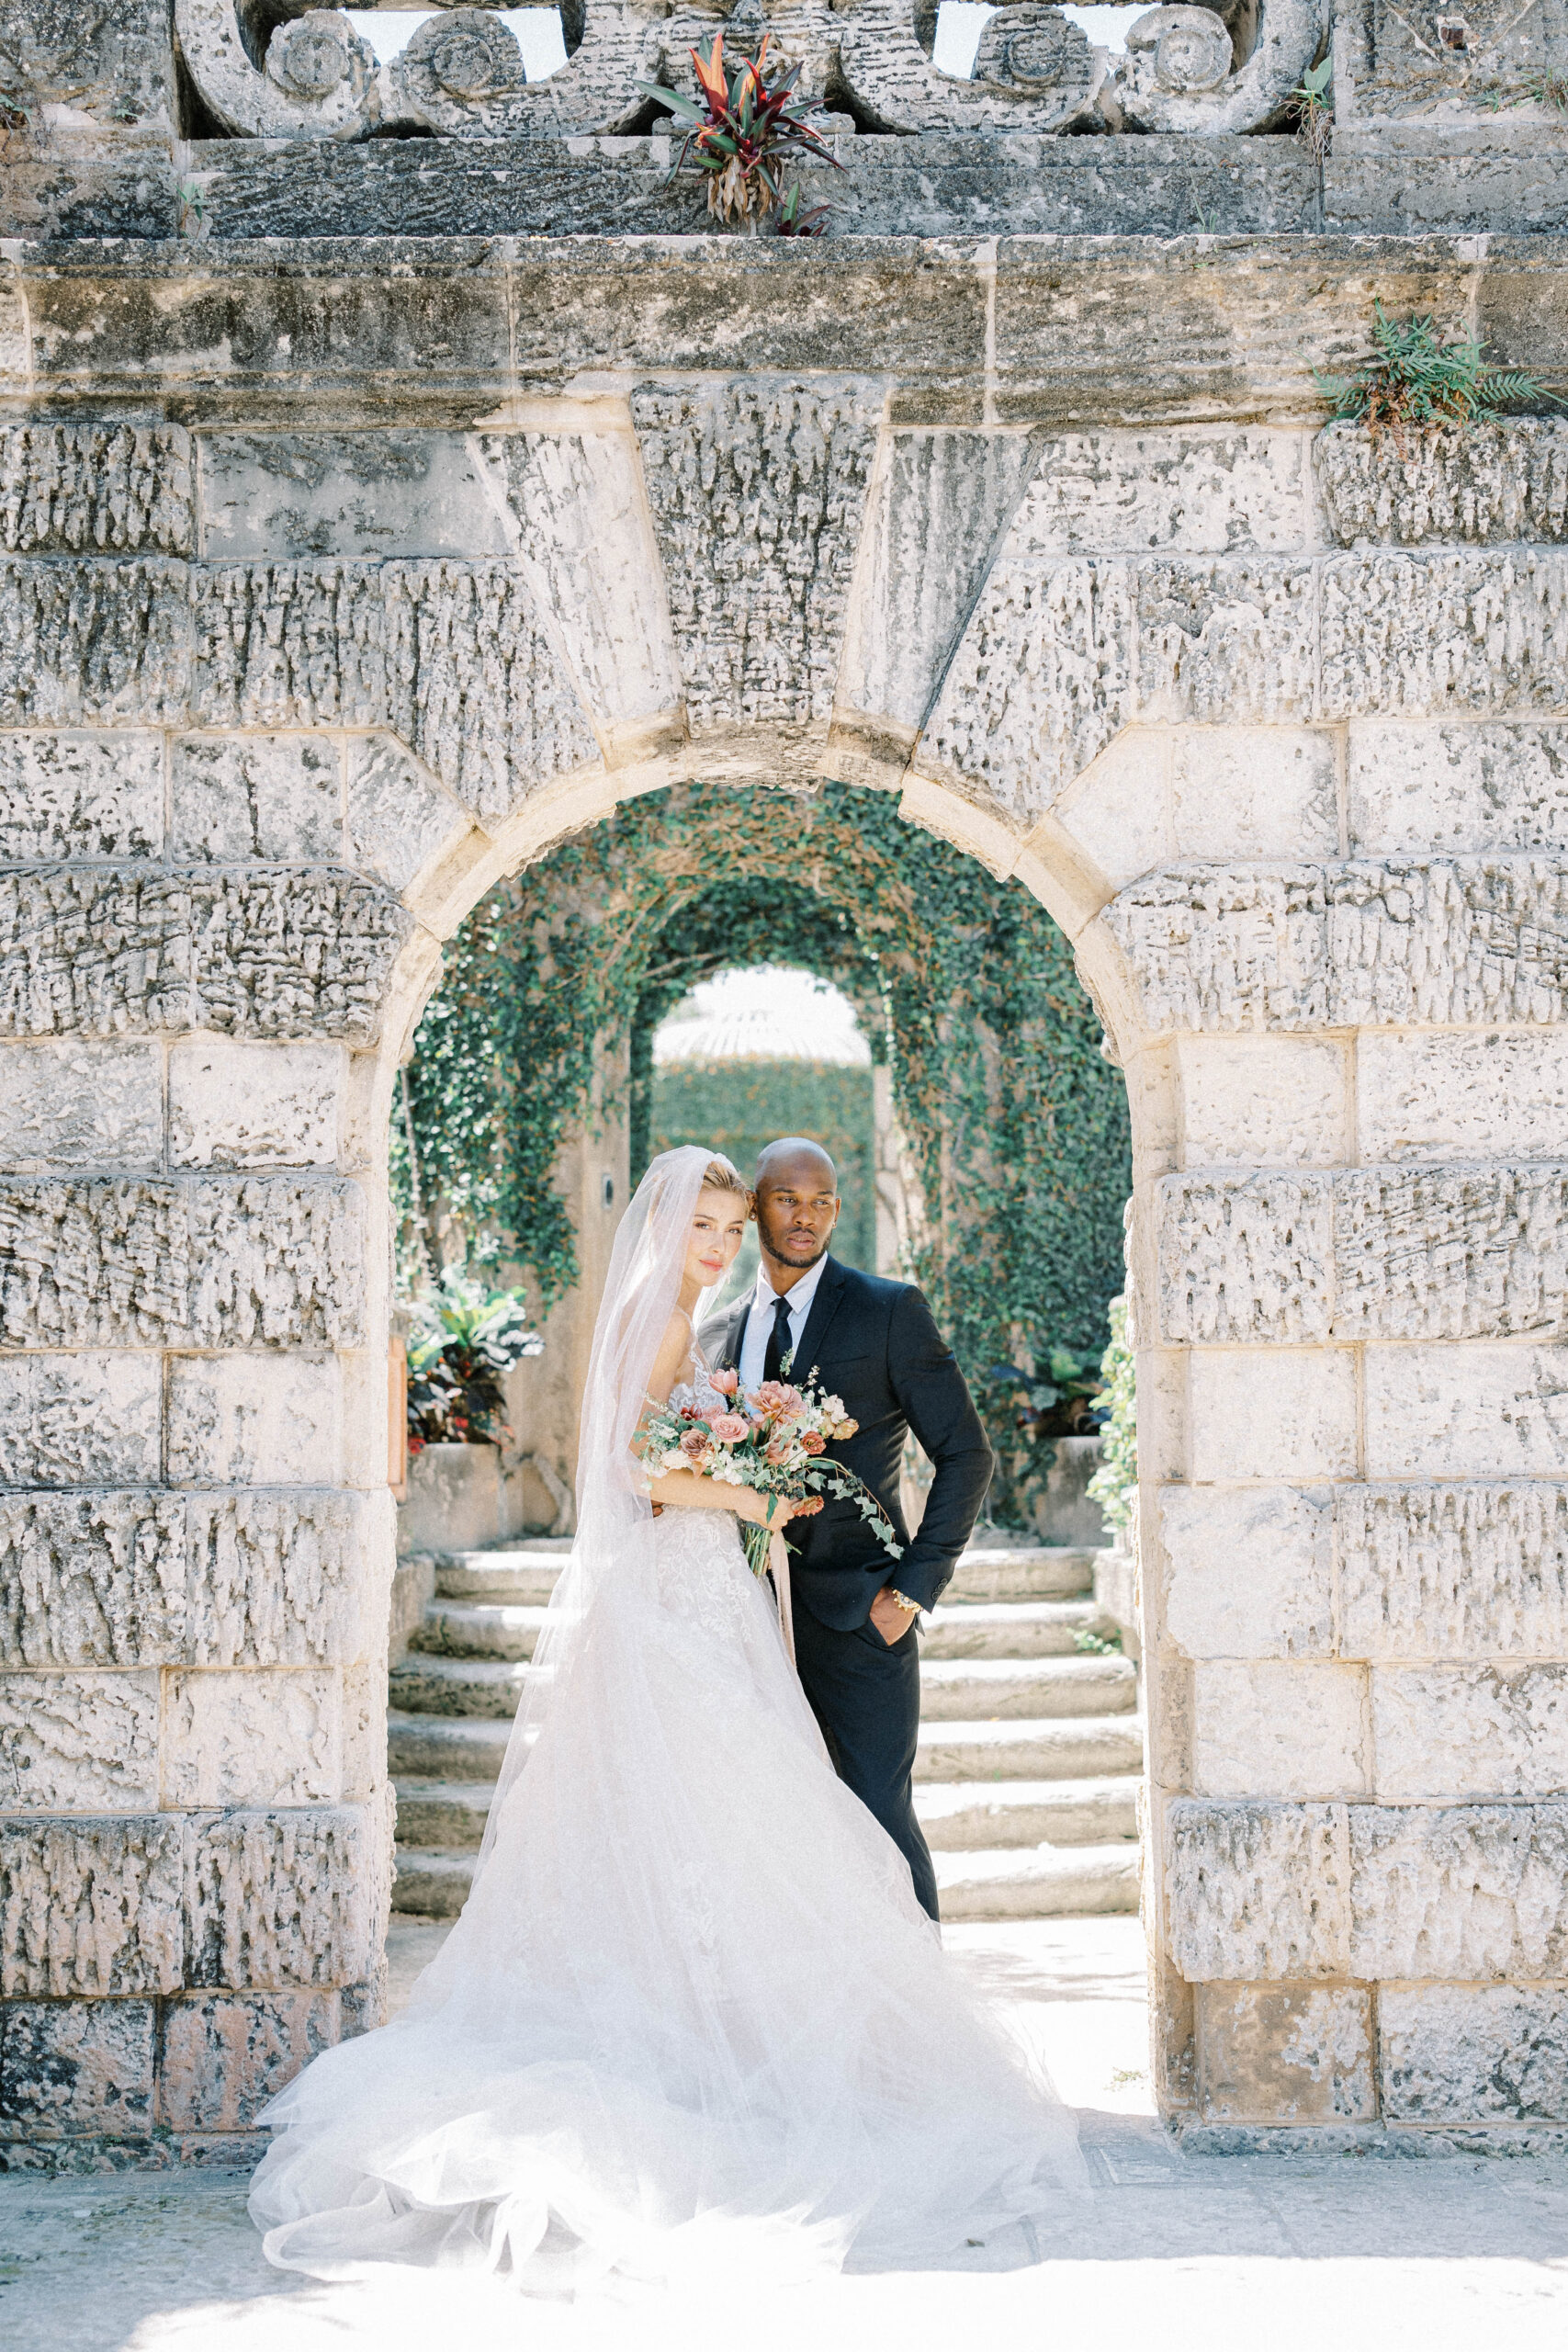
904 1601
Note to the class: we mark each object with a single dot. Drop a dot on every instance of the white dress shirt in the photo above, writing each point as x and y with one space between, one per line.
760 1321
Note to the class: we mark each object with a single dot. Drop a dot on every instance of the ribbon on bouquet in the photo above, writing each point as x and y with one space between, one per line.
778 1569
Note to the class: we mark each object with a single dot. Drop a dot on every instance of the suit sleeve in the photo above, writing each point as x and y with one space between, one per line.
934 1400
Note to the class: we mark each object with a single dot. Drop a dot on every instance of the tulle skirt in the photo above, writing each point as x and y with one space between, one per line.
691 2016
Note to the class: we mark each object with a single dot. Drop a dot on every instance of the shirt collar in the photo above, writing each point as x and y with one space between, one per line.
798 1298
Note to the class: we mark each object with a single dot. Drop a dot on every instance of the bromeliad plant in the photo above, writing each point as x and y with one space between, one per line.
744 129
1024 1413
464 1338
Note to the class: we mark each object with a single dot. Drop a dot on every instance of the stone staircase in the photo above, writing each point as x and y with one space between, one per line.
1029 1751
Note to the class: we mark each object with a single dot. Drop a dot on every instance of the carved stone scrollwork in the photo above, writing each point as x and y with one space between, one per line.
455 64
319 81
1179 73
1035 71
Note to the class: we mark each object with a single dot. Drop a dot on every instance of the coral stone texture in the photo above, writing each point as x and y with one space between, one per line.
379 509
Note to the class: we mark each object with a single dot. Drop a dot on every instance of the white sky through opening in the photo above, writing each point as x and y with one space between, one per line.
763 1013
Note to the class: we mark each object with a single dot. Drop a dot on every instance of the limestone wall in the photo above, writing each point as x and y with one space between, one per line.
333 588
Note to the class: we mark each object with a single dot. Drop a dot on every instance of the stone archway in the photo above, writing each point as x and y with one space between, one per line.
1295 798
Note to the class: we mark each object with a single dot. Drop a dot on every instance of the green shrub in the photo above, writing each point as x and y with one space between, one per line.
1114 1484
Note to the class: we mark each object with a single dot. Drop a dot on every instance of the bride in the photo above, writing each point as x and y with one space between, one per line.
691 2009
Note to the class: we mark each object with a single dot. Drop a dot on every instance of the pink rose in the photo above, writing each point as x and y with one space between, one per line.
727 1383
696 1445
730 1428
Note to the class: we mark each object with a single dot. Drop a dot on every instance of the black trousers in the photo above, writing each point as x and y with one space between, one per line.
866 1696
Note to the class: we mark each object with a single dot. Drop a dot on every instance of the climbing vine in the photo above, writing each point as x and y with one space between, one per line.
1017 1125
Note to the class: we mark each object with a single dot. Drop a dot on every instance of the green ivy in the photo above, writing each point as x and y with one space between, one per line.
1114 1484
963 984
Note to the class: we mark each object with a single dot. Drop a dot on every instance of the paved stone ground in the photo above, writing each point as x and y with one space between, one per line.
1238 2252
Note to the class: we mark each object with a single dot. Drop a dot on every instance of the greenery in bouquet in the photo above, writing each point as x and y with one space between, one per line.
773 1439
465 1339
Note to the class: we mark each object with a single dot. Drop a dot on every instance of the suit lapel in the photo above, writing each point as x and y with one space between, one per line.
824 1306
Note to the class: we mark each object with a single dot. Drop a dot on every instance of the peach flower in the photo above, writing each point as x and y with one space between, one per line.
730 1428
814 1444
725 1382
696 1445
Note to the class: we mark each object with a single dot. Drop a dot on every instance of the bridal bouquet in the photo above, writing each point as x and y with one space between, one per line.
771 1438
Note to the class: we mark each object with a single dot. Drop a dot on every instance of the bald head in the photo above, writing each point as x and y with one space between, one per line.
800 1157
796 1205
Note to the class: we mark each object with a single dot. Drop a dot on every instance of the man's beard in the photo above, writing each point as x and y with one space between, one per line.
797 1265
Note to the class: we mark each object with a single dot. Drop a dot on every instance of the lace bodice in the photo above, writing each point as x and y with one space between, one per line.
702 1577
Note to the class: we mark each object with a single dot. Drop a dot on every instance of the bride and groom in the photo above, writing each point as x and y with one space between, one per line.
694 2010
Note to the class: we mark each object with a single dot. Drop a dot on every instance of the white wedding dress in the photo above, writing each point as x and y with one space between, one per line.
691 2013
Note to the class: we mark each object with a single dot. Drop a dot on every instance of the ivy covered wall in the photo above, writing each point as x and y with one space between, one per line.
1018 1127
738 1106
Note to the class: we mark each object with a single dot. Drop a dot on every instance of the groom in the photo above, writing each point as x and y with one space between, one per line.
874 1343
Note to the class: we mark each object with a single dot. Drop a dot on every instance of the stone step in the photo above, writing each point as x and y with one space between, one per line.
450 1814
1021 1572
1041 1883
1010 1628
432 1884
524 1579
1081 1748
439 1747
992 1689
479 1629
966 1816
456 1686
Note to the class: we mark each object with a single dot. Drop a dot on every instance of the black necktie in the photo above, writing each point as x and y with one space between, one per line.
779 1341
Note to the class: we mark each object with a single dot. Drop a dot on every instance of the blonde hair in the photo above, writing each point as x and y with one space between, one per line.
722 1175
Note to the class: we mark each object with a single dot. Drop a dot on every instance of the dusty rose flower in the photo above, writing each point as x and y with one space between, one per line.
696 1445
776 1396
809 1508
814 1444
727 1382
778 1450
730 1428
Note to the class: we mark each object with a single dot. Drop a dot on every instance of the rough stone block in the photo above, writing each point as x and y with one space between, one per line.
92 641
1460 941
1502 481
1197 491
76 2066
1249 1571
81 795
1471 1731
91 1579
91 1907
1449 1253
1263 1102
1225 642
278 1899
939 505
1285 2054
399 822
1041 683
277 798
580 519
94 489
1466 1411
1426 1095
1257 1891
1254 792
236 1103
1443 634
281 1579
450 657
1474 1891
278 1261
1473 2054
1461 788
224 2056
762 487
80 1419
1273 1413
1245 1260
251 1738
381 493
80 1103
80 1743
1453 1570
264 1421
1270 1727
265 953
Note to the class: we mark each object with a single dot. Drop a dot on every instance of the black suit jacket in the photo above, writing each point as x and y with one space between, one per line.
875 1344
